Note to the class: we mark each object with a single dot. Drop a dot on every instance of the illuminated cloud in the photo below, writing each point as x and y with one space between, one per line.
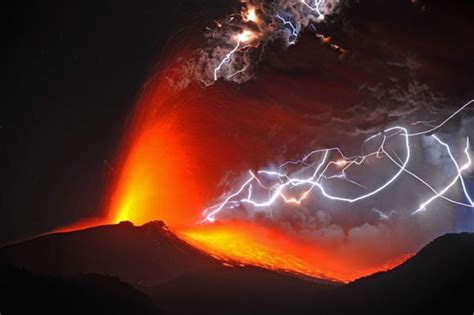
235 45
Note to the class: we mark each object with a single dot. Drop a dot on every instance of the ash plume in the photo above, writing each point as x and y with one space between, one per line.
233 48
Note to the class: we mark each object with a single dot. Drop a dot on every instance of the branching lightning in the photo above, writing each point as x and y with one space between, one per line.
324 162
226 60
256 25
316 7
294 30
457 178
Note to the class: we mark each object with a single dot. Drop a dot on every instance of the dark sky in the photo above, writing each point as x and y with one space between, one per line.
74 71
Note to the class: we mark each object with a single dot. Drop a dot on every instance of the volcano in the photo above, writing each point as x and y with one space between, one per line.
180 279
143 256
238 157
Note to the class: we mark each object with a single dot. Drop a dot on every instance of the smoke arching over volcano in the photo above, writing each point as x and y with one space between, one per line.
190 145
234 46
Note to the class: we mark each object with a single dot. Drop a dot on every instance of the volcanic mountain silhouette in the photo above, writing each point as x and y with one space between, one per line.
182 280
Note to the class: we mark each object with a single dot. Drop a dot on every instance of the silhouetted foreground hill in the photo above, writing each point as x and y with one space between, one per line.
438 280
24 293
237 290
182 280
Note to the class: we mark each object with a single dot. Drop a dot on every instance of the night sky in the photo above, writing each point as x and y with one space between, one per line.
75 70
73 73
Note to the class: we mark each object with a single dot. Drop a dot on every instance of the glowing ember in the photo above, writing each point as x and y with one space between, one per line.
251 14
341 163
245 36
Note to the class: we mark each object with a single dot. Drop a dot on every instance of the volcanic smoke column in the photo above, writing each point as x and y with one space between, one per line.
234 47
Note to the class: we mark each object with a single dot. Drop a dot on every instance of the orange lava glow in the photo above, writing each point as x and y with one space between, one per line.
244 243
82 224
157 180
180 145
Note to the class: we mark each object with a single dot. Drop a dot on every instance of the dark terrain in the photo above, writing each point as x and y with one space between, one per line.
162 273
25 293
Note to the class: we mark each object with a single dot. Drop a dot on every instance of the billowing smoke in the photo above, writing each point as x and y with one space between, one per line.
234 46
377 199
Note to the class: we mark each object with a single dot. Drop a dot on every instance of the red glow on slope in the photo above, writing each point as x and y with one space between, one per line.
82 224
246 243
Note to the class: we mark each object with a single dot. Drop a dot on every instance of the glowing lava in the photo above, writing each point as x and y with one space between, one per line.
157 179
246 243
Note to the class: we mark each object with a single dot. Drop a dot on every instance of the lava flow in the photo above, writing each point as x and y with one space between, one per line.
245 243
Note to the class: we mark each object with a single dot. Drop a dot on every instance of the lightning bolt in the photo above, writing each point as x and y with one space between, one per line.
258 27
333 158
383 215
316 8
455 180
226 59
294 30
